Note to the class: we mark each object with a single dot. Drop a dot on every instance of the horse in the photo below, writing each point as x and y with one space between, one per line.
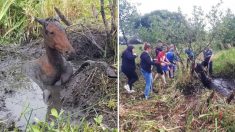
52 68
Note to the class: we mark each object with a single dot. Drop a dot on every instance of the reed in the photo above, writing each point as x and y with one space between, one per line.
17 16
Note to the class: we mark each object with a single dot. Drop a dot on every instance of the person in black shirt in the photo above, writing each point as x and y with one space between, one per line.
146 67
128 67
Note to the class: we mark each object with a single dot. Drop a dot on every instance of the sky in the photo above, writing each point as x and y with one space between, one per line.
146 6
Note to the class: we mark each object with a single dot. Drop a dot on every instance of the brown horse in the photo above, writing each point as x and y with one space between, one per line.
52 68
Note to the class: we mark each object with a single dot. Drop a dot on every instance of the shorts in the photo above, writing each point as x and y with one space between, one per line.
165 68
171 66
159 69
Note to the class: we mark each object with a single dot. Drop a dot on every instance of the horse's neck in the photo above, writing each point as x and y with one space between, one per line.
54 58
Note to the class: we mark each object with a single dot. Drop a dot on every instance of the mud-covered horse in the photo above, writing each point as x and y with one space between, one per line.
52 68
209 83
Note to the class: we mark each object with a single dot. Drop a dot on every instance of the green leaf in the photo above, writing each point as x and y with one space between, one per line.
36 128
161 130
98 119
54 113
52 124
61 112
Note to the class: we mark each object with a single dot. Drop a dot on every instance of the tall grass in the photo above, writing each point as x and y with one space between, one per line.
224 63
17 16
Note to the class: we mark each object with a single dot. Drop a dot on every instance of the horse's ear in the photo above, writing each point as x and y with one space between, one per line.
41 21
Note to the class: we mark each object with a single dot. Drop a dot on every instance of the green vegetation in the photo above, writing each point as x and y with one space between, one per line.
214 28
183 105
60 122
17 16
224 63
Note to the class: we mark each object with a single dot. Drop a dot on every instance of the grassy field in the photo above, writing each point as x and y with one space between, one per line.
224 63
171 109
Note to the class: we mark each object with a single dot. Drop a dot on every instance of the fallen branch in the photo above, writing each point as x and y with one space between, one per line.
93 40
62 17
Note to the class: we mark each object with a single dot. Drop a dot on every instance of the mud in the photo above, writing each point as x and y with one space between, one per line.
83 40
85 95
224 86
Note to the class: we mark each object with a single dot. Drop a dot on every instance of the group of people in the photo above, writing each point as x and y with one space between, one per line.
207 58
164 64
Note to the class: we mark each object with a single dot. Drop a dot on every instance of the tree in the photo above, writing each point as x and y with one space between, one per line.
111 33
127 18
222 26
163 25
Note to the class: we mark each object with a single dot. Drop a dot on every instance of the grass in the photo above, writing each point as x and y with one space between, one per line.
61 122
180 106
17 16
224 63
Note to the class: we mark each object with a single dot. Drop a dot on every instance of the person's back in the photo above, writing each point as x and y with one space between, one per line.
207 59
128 67
207 54
189 53
128 59
170 55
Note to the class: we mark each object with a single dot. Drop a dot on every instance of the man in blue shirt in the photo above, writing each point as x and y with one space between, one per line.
170 55
208 53
190 55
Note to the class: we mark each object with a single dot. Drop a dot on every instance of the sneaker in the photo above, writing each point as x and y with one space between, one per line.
132 91
127 88
146 97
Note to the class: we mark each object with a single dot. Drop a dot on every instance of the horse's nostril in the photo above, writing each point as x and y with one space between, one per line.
66 52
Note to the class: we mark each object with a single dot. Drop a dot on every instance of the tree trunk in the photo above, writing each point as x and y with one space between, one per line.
114 16
108 47
124 35
113 32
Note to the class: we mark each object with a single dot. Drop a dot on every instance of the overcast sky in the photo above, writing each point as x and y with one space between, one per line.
146 6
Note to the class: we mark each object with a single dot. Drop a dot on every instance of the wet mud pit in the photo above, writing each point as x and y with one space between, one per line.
224 86
21 99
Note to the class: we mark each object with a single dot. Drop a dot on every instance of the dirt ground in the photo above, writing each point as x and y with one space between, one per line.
184 106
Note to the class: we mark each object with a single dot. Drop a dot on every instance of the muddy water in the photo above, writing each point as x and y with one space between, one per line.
224 86
21 99
19 104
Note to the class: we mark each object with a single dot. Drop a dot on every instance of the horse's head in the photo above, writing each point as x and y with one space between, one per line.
56 37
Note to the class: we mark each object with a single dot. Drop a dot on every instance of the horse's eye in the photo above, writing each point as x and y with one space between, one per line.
51 32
